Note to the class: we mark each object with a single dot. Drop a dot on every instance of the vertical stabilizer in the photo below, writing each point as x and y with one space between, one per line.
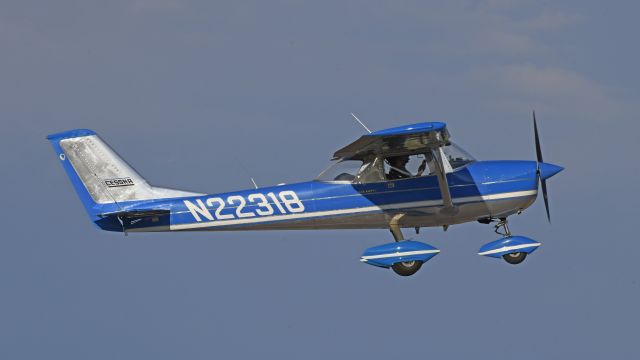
99 175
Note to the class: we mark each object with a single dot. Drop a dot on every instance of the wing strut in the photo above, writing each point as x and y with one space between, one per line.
442 181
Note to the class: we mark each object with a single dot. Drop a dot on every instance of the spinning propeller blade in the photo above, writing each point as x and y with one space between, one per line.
535 130
546 198
543 182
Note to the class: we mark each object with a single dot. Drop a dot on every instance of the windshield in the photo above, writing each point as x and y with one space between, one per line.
457 156
355 171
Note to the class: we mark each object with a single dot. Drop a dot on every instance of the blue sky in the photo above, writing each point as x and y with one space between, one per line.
201 95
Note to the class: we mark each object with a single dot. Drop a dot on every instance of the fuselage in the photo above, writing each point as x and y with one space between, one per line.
479 190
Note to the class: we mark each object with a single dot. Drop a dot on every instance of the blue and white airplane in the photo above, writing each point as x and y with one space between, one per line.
410 176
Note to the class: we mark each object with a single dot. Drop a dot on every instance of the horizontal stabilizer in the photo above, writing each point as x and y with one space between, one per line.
132 220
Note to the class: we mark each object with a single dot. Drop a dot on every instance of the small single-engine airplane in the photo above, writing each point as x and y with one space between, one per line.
410 176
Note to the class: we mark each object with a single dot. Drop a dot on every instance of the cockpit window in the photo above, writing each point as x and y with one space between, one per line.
375 169
457 156
407 166
354 171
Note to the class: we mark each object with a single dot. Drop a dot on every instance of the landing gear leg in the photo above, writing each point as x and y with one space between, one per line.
502 228
405 268
397 233
504 225
394 227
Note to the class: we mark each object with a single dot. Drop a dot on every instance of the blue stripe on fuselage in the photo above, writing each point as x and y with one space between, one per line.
476 179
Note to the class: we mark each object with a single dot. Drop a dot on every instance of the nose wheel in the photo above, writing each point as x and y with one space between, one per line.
512 249
502 228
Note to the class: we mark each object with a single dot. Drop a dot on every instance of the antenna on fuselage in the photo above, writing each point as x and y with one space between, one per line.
361 123
254 183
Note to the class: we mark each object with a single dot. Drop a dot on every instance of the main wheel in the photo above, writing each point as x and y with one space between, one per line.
514 258
407 268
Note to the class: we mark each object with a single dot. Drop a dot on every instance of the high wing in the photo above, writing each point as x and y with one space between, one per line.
414 138
397 140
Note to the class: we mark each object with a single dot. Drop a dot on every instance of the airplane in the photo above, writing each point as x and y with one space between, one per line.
411 176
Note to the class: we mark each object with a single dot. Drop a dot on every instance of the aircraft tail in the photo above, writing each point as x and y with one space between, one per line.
100 176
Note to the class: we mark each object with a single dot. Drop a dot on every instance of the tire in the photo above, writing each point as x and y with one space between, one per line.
407 268
515 258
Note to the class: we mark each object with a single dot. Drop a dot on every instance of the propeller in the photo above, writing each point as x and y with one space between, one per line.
542 181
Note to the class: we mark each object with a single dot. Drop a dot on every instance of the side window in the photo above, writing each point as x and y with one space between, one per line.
344 170
371 171
354 171
407 166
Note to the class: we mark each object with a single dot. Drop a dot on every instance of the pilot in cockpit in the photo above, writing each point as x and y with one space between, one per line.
398 168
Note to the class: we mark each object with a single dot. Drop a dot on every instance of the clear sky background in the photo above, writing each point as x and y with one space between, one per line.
201 95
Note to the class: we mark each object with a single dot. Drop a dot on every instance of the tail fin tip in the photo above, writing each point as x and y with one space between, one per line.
70 134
